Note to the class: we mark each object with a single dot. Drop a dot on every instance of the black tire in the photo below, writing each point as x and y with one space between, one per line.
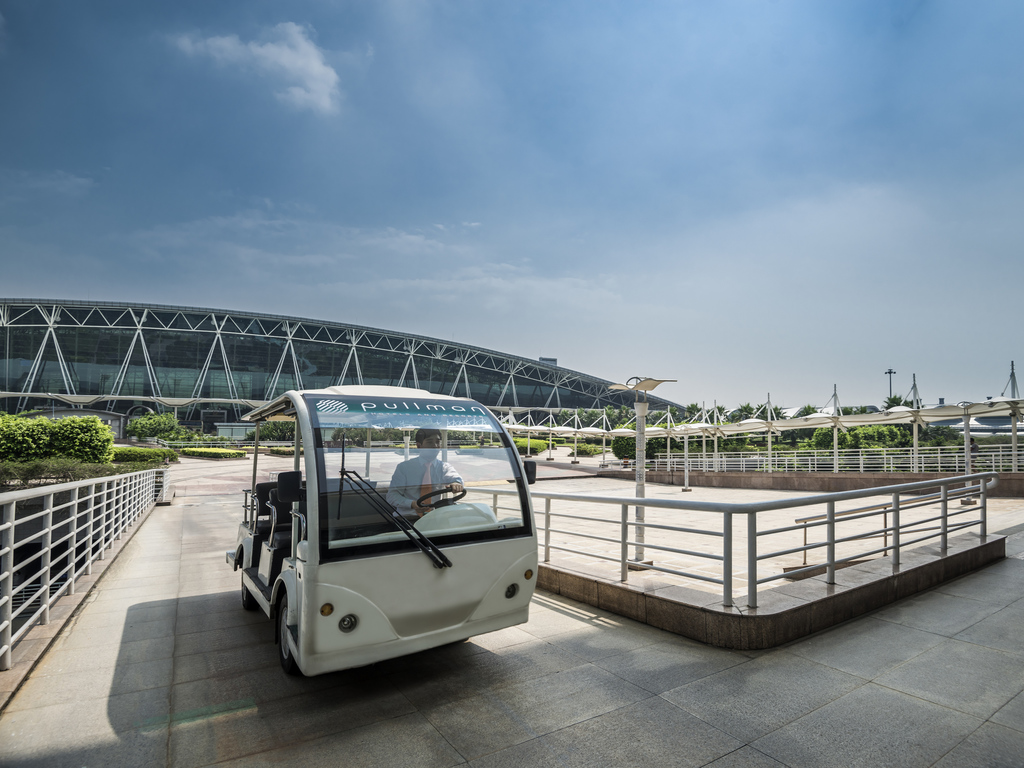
248 601
284 654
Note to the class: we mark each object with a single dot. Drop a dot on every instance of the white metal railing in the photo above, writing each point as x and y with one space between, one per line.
908 512
51 535
946 458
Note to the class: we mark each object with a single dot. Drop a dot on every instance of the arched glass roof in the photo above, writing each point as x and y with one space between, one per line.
120 355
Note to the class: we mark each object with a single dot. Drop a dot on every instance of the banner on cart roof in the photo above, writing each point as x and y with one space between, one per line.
385 413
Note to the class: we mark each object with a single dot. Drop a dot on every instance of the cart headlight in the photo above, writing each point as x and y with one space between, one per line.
512 591
348 622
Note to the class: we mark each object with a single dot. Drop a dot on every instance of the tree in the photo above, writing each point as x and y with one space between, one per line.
274 432
895 400
162 425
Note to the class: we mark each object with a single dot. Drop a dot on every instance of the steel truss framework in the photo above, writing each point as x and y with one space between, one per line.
130 355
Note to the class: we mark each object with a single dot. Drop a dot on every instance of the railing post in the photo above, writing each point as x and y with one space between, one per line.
623 546
91 539
6 581
944 523
983 486
45 561
73 544
494 504
547 530
895 531
751 560
727 559
830 545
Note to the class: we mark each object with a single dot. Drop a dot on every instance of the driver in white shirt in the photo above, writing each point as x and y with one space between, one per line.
422 474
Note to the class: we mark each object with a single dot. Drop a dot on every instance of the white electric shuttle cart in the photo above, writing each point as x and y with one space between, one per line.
350 568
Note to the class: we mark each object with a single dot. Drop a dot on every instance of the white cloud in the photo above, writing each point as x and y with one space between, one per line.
289 57
18 185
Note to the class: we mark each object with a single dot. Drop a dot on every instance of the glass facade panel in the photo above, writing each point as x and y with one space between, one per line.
95 340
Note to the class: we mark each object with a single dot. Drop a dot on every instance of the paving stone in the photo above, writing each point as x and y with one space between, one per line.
869 727
865 648
938 613
991 746
961 676
501 718
754 698
408 741
1003 630
669 664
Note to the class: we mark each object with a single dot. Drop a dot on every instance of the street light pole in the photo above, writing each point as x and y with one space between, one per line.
640 386
889 373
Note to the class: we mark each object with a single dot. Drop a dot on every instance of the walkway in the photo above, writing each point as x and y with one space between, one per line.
163 667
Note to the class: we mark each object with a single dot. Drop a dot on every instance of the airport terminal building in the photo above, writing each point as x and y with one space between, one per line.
215 365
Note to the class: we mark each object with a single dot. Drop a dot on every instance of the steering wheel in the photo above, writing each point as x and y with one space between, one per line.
443 502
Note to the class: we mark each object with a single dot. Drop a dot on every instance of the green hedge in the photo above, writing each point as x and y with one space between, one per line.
131 453
84 438
587 450
536 446
282 451
22 474
213 453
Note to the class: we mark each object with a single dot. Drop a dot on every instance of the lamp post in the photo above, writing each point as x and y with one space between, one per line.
889 373
640 385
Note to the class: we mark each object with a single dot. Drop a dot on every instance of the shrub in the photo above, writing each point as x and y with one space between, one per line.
213 453
583 449
283 451
537 446
84 438
146 455
152 425
274 432
23 439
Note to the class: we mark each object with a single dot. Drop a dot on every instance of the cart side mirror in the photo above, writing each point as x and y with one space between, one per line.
531 471
289 487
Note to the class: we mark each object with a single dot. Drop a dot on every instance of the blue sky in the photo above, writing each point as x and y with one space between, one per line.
749 197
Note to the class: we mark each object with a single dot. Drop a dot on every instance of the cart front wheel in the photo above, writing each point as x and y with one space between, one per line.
284 651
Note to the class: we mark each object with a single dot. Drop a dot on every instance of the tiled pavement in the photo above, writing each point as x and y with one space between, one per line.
163 667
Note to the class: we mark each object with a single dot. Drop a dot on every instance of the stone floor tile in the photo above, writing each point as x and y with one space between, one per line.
1003 630
651 732
203 736
92 683
991 746
937 612
1011 714
747 757
408 741
597 642
498 719
758 696
224 638
869 727
130 749
502 638
669 664
866 648
969 678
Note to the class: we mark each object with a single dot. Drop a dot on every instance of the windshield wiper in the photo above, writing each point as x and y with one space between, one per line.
388 512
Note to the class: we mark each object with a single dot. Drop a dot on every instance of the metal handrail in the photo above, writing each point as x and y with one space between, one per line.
927 458
74 526
977 484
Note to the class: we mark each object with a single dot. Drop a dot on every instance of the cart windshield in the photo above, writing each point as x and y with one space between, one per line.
435 462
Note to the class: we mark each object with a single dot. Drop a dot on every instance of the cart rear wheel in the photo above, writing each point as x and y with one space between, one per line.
248 601
284 651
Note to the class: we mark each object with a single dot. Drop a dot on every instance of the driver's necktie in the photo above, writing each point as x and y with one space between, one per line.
426 485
